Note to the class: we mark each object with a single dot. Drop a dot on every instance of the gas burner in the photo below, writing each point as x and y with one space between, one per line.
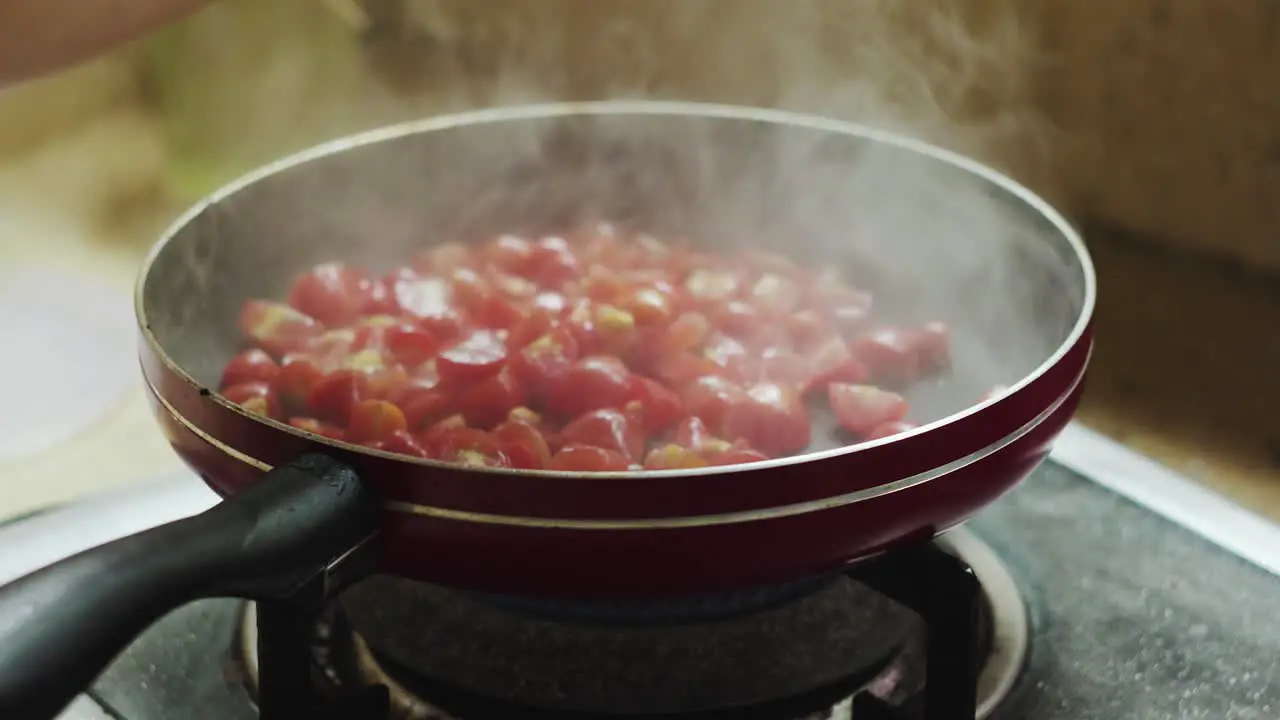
831 647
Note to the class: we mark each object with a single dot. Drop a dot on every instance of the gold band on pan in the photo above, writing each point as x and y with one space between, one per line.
744 516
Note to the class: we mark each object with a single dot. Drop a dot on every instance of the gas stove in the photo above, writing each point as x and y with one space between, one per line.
1102 587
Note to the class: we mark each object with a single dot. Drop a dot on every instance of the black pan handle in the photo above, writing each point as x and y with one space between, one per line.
63 624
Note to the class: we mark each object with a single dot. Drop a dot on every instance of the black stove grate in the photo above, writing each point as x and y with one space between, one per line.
940 588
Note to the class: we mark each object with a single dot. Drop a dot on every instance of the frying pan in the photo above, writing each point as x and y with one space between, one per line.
932 234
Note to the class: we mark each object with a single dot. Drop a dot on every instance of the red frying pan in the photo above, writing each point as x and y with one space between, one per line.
932 234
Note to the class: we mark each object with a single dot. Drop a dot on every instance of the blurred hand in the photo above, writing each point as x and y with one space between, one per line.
42 36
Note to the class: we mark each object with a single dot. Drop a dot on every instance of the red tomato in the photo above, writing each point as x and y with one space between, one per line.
375 420
430 406
255 397
693 434
318 427
773 419
252 365
708 286
932 343
488 402
737 318
468 447
608 429
833 362
657 406
298 376
862 408
400 441
738 456
712 399
889 355
410 345
584 458
523 444
276 327
647 305
439 429
475 357
673 457
428 302
331 293
334 396
553 263
889 429
592 383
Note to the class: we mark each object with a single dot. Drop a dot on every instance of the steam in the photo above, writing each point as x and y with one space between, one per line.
930 240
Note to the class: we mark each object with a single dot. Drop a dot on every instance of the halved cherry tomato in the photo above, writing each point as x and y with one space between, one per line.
401 441
375 420
584 458
410 345
430 406
298 376
712 399
258 398
332 293
334 396
592 383
932 342
693 434
276 327
831 361
862 408
545 358
772 418
657 406
523 444
319 427
467 446
487 402
606 428
475 357
673 457
889 355
251 365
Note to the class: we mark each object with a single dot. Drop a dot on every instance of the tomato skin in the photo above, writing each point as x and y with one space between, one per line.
251 365
276 327
488 402
593 383
298 376
712 399
889 356
401 441
773 419
546 358
831 362
410 345
889 429
673 457
468 447
693 434
331 293
657 406
318 427
605 428
475 357
375 420
429 407
860 409
524 445
510 253
428 302
584 458
334 396
738 456
736 318
258 398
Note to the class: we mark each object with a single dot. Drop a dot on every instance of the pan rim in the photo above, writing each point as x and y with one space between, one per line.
672 522
542 111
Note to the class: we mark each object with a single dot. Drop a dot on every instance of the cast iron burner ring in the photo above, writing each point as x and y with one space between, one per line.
345 660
